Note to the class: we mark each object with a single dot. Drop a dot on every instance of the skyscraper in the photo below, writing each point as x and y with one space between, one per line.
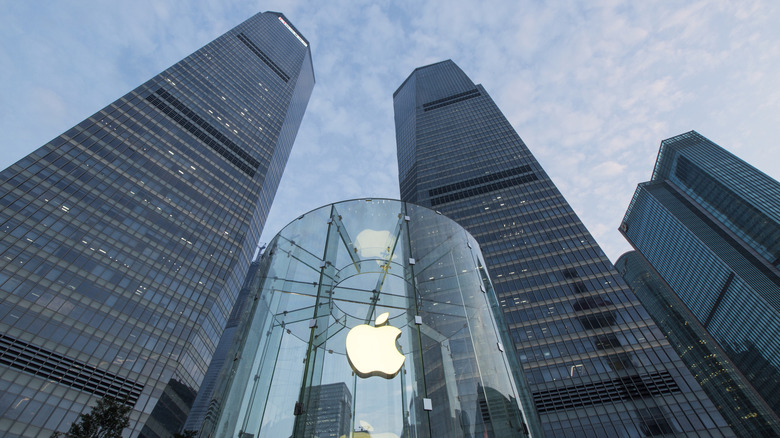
735 397
595 361
124 241
709 225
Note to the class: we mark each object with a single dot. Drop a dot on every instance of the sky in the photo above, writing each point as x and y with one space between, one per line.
592 87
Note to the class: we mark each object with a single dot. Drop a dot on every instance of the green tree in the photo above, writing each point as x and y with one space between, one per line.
186 434
106 420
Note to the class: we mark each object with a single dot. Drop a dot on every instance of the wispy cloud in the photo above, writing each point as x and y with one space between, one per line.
592 88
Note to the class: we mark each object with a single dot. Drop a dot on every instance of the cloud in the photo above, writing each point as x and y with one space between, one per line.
609 169
592 88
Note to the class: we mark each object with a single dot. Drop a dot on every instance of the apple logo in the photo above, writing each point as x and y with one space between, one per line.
371 351
372 244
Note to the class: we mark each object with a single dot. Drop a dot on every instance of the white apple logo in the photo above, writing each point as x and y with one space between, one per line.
371 351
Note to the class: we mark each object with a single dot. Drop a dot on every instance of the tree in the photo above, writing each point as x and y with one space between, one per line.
186 434
106 420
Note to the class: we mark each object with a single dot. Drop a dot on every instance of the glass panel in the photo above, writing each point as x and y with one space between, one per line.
410 290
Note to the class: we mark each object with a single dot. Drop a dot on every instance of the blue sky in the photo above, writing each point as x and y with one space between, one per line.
592 87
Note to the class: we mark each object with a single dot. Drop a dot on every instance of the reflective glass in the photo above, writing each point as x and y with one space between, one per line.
323 285
594 359
133 231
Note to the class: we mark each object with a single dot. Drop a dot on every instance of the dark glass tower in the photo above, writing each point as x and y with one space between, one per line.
735 397
594 359
124 241
709 226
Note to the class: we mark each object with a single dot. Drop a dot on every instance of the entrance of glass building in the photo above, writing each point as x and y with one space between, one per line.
370 318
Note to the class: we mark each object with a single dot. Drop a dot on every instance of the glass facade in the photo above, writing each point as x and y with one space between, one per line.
370 318
740 197
124 241
708 224
746 412
595 361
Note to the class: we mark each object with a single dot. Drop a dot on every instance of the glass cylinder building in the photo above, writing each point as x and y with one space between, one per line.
371 318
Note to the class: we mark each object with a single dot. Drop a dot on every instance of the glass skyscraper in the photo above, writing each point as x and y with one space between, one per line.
709 225
596 363
746 412
124 241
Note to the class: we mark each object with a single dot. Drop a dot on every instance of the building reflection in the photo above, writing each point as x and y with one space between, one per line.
330 411
319 281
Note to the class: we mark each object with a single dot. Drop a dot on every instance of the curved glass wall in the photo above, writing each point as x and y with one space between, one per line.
371 318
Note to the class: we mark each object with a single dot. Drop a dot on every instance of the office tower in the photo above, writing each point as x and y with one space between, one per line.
594 359
124 241
200 405
709 225
333 417
736 399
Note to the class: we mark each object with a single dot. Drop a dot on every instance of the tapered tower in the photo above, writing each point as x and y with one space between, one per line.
124 241
596 363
